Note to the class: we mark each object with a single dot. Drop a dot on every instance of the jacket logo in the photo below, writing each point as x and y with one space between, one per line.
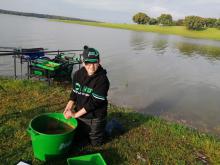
77 87
85 89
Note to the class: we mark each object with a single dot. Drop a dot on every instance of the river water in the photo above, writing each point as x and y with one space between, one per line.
170 76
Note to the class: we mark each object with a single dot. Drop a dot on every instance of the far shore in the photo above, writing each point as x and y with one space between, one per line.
209 33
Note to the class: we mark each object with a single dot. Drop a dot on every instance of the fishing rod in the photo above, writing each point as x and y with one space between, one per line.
23 52
3 47
53 51
6 51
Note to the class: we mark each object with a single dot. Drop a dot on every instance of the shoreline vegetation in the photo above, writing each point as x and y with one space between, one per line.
209 33
145 140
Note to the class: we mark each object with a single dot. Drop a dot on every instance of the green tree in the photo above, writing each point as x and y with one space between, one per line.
194 22
217 24
153 21
165 19
210 22
141 18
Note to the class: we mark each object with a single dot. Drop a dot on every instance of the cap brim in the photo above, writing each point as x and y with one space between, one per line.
91 60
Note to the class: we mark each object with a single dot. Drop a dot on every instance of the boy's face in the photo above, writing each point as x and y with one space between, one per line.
91 68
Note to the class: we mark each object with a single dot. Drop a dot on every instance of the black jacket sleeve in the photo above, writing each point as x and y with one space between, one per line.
73 94
98 97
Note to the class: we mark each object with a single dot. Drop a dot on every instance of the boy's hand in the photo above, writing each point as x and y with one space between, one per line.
69 106
67 114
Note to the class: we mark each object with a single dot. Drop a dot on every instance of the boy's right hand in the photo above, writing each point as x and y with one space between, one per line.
69 106
67 114
68 109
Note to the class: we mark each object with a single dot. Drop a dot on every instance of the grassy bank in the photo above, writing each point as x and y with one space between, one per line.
210 33
146 140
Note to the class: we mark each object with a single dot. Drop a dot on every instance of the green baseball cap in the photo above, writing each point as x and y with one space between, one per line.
90 55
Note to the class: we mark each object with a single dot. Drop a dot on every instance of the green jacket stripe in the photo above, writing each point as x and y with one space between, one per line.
98 96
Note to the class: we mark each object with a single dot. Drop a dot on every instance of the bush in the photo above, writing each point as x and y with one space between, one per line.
194 22
217 24
153 21
141 18
180 22
210 22
165 19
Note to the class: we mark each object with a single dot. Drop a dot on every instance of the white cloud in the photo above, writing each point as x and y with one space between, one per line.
178 9
97 4
206 1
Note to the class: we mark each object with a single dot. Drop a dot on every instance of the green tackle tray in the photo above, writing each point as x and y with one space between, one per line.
92 159
48 65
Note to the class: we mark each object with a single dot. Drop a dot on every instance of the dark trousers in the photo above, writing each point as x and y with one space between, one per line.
90 130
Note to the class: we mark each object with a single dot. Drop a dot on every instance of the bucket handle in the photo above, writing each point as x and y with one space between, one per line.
31 132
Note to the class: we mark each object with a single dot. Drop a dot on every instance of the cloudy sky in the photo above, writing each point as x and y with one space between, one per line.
119 11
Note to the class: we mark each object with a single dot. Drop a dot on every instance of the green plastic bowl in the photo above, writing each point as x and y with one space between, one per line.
92 159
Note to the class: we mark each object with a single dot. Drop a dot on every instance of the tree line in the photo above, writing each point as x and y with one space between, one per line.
42 15
191 22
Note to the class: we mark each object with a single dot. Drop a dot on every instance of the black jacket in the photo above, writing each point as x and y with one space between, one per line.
91 92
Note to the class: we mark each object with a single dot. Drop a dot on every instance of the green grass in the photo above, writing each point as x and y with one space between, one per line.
210 33
146 140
